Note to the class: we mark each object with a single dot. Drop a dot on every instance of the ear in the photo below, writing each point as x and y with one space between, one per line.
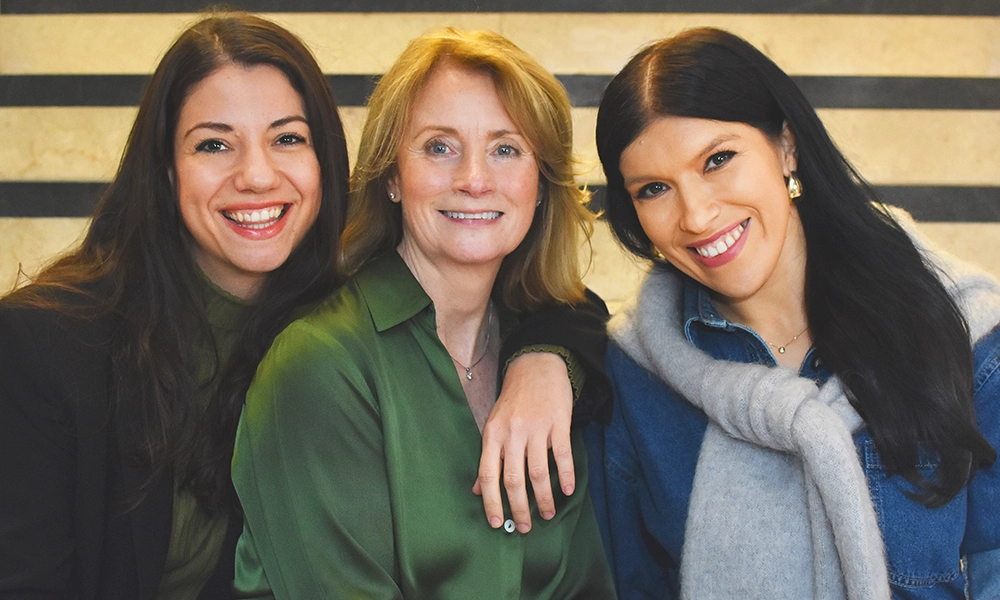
790 156
392 189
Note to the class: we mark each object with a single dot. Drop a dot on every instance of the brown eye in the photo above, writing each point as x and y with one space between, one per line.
210 146
718 159
651 190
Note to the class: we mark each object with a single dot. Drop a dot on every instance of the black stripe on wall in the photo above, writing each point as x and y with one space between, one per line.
874 7
925 203
49 199
584 91
127 90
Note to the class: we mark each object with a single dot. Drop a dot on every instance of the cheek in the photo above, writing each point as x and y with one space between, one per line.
658 222
195 187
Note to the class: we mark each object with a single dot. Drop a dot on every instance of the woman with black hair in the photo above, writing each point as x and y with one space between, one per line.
807 402
124 366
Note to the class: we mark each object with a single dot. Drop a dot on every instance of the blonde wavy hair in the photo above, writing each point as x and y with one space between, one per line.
545 267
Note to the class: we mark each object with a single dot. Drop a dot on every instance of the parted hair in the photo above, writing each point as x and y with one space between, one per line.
545 267
879 315
136 261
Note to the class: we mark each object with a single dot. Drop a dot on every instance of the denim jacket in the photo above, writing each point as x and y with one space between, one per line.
642 469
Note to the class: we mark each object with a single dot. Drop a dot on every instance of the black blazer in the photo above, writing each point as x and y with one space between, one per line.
63 533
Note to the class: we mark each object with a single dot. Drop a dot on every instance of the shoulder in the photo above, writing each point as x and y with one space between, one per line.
338 325
986 356
327 349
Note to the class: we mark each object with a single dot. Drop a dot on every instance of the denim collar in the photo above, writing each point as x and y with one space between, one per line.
698 307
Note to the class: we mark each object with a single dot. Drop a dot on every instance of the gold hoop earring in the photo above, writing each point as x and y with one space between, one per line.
794 186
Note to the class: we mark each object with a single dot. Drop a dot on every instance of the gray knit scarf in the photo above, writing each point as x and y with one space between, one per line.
780 506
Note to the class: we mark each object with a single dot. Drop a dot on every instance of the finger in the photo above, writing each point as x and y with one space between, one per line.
562 450
538 472
488 483
513 481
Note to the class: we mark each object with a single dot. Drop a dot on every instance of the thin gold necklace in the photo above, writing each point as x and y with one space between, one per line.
781 348
486 346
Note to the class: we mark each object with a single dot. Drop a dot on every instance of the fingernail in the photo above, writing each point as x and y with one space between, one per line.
568 490
548 515
495 522
523 527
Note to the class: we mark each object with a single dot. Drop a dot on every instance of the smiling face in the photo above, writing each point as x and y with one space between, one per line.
246 175
466 178
711 197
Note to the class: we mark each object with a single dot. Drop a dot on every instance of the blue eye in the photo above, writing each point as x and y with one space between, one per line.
435 147
651 190
210 146
718 159
507 150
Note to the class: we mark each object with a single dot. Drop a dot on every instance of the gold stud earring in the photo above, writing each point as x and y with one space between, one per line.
794 186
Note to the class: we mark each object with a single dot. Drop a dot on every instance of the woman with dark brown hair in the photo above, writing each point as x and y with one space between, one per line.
124 366
807 398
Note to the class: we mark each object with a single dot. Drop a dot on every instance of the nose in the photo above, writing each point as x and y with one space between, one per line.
699 209
256 171
474 176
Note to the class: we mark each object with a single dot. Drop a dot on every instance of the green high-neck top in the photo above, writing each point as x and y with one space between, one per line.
196 537
355 458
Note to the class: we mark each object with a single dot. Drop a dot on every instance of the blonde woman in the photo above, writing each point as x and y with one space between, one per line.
362 429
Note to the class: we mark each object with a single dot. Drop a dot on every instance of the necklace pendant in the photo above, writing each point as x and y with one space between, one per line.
781 349
468 373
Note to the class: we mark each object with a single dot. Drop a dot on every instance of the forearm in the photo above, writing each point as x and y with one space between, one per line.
581 331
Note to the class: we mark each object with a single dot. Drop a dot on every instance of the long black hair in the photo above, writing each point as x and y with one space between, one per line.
878 313
136 262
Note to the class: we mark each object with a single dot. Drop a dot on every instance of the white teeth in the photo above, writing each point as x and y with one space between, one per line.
722 244
257 219
493 214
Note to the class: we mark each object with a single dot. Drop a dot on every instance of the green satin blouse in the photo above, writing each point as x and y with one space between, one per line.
355 459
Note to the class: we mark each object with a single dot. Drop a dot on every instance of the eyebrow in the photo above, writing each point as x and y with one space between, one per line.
226 128
494 135
728 137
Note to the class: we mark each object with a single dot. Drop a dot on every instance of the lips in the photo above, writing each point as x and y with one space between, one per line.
479 216
721 244
256 219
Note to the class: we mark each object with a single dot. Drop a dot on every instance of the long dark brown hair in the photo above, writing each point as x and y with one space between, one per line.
878 313
135 262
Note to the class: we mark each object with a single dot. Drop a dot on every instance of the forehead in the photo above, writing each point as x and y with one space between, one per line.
676 140
454 92
239 92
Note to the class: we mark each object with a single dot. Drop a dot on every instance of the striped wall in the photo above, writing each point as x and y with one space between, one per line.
910 90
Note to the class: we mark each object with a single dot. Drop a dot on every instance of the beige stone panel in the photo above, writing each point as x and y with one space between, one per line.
585 146
86 44
800 44
353 119
62 143
919 147
582 43
976 243
611 271
27 245
367 43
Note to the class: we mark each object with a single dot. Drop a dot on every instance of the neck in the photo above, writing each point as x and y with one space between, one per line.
777 310
461 295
